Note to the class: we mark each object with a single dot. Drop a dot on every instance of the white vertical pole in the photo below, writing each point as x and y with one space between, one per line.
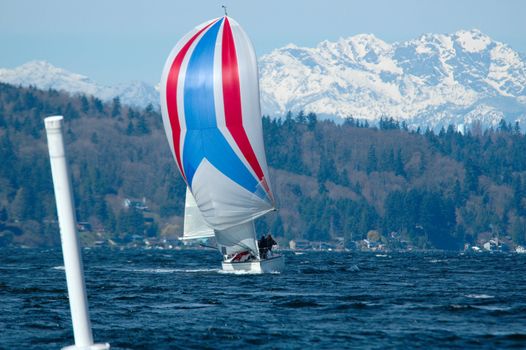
78 301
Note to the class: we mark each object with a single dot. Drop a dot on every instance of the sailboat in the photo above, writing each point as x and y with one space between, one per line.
212 119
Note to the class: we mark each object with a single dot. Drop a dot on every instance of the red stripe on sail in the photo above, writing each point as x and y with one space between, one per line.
171 96
232 102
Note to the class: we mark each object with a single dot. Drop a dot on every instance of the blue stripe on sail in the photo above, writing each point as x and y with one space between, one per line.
203 138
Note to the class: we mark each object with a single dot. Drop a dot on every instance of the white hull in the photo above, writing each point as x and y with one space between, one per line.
273 264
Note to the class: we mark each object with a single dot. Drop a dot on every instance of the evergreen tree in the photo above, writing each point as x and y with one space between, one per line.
116 107
71 112
344 178
301 118
471 179
152 230
84 104
149 109
518 230
97 104
503 127
130 222
142 127
518 195
517 128
312 119
327 170
399 164
130 129
372 161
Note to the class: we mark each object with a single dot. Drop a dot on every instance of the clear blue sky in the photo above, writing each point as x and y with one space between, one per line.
114 41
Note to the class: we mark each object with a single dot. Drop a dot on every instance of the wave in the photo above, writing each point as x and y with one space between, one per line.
434 261
298 303
353 268
479 296
164 270
240 272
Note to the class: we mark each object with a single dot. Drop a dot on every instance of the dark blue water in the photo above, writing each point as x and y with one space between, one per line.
145 299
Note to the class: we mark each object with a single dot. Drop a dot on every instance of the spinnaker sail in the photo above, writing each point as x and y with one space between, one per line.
212 118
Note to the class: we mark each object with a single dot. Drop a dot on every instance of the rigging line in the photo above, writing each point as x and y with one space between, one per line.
224 8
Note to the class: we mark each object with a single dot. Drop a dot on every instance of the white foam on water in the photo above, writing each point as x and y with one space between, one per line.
154 270
62 268
479 296
180 306
197 270
240 272
159 270
176 270
492 307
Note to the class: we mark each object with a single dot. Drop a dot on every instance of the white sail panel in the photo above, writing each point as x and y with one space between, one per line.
240 238
219 208
194 225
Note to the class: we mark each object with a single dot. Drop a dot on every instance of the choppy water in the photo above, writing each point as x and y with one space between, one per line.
145 299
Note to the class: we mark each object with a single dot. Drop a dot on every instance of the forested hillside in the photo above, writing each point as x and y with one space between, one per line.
432 190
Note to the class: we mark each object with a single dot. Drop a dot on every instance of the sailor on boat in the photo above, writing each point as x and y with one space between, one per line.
265 245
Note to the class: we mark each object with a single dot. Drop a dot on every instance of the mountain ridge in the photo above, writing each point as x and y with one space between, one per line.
433 80
44 75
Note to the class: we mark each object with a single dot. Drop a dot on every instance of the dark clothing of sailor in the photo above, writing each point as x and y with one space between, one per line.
262 245
270 242
265 245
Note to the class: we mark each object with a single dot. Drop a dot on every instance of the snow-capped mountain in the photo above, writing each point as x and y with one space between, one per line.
44 75
434 80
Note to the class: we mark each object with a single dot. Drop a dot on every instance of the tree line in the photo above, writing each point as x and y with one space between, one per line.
331 180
